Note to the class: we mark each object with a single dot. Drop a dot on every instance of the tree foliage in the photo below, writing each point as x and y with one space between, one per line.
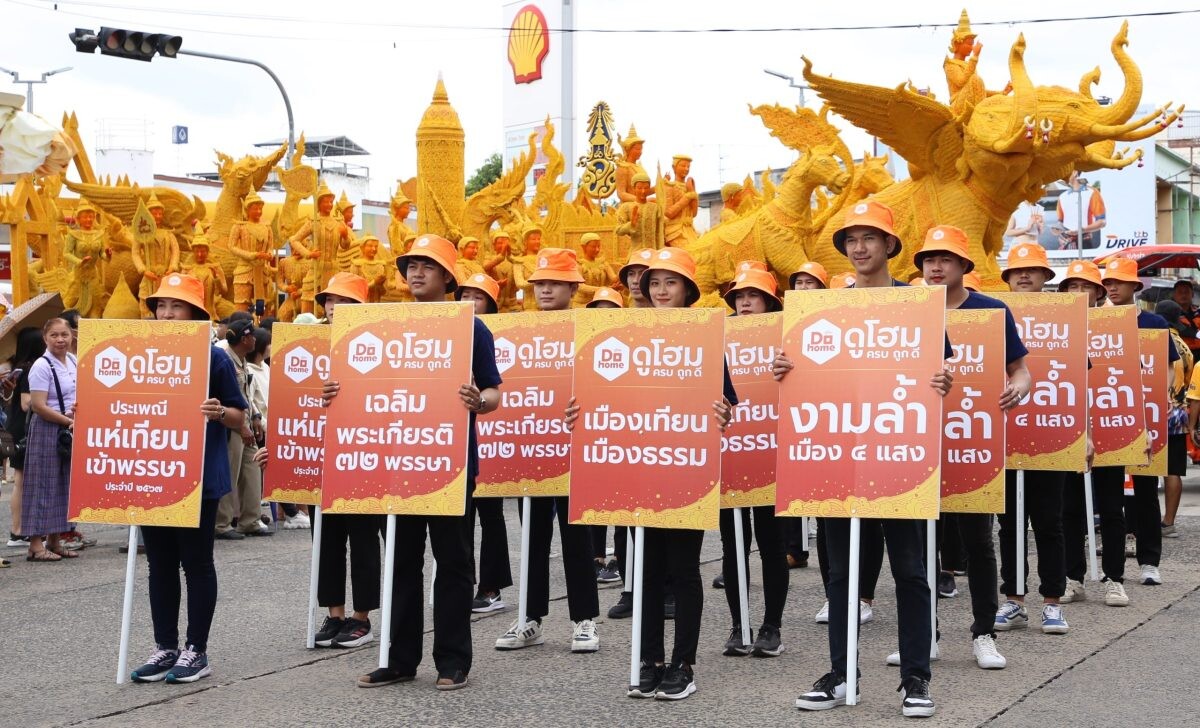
487 173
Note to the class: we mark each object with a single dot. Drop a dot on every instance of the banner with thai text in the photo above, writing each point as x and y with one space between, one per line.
859 424
396 435
525 447
646 449
973 424
296 422
1153 345
1048 431
748 446
1115 387
138 452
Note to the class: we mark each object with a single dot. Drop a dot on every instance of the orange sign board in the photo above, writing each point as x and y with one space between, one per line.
973 423
525 447
296 438
1153 346
1048 431
1115 387
859 425
748 447
138 454
396 435
646 448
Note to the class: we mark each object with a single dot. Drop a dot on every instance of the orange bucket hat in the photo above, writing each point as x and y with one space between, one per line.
637 259
946 239
747 265
435 248
481 282
604 294
1084 270
675 260
868 213
972 282
814 269
758 280
557 264
185 288
346 285
917 280
1027 255
1122 269
842 280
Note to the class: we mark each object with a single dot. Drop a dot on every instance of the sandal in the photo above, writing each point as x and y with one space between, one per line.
65 553
44 556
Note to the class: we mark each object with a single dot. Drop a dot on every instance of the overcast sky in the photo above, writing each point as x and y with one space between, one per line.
366 69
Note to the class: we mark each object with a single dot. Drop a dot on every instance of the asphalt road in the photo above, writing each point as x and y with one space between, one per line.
60 636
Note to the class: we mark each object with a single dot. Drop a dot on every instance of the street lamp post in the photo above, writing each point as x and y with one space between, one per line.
791 82
29 82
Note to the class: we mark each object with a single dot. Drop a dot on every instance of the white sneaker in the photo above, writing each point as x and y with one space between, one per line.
17 543
894 658
518 637
1130 545
865 612
1114 594
822 613
585 639
1053 621
986 654
1074 592
300 520
1150 575
1011 615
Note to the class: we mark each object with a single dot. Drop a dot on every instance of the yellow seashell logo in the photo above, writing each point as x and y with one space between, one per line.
528 44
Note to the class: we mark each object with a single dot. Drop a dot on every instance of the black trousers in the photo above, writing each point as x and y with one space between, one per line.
950 547
1147 520
905 541
582 601
767 531
168 550
451 594
362 532
674 553
621 544
974 533
599 536
794 543
870 557
495 572
1044 508
1108 488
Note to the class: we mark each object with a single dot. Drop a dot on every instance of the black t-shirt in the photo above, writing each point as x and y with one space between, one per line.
16 415
486 375
1014 347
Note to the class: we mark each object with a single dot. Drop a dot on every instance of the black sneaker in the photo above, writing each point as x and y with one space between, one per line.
623 609
719 581
610 574
487 602
678 682
917 703
330 628
946 587
669 607
734 647
157 666
230 535
828 692
769 642
649 678
190 667
354 633
383 676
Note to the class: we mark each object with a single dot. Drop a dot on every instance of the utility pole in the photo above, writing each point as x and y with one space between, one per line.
29 82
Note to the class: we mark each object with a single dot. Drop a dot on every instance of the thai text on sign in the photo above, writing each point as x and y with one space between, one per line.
525 447
646 448
748 446
1048 431
1153 344
1118 412
296 427
859 425
138 451
973 425
396 435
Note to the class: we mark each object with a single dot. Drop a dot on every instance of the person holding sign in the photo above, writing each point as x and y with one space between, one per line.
868 240
1121 281
754 292
605 297
428 270
555 281
181 298
945 262
1028 271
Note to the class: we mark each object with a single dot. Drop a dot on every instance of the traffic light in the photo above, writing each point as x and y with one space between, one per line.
123 43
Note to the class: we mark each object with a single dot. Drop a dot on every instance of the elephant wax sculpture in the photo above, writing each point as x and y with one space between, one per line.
327 236
972 171
86 252
641 219
681 205
154 255
252 242
210 274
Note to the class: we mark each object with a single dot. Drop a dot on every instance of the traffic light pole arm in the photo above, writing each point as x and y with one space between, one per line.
287 160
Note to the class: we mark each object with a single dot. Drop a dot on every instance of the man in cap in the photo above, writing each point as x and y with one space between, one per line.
238 513
809 277
154 256
1188 321
868 240
642 218
682 203
555 282
1029 271
429 271
945 261
252 242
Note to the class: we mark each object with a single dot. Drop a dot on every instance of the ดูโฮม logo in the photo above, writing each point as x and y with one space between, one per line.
821 341
611 358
